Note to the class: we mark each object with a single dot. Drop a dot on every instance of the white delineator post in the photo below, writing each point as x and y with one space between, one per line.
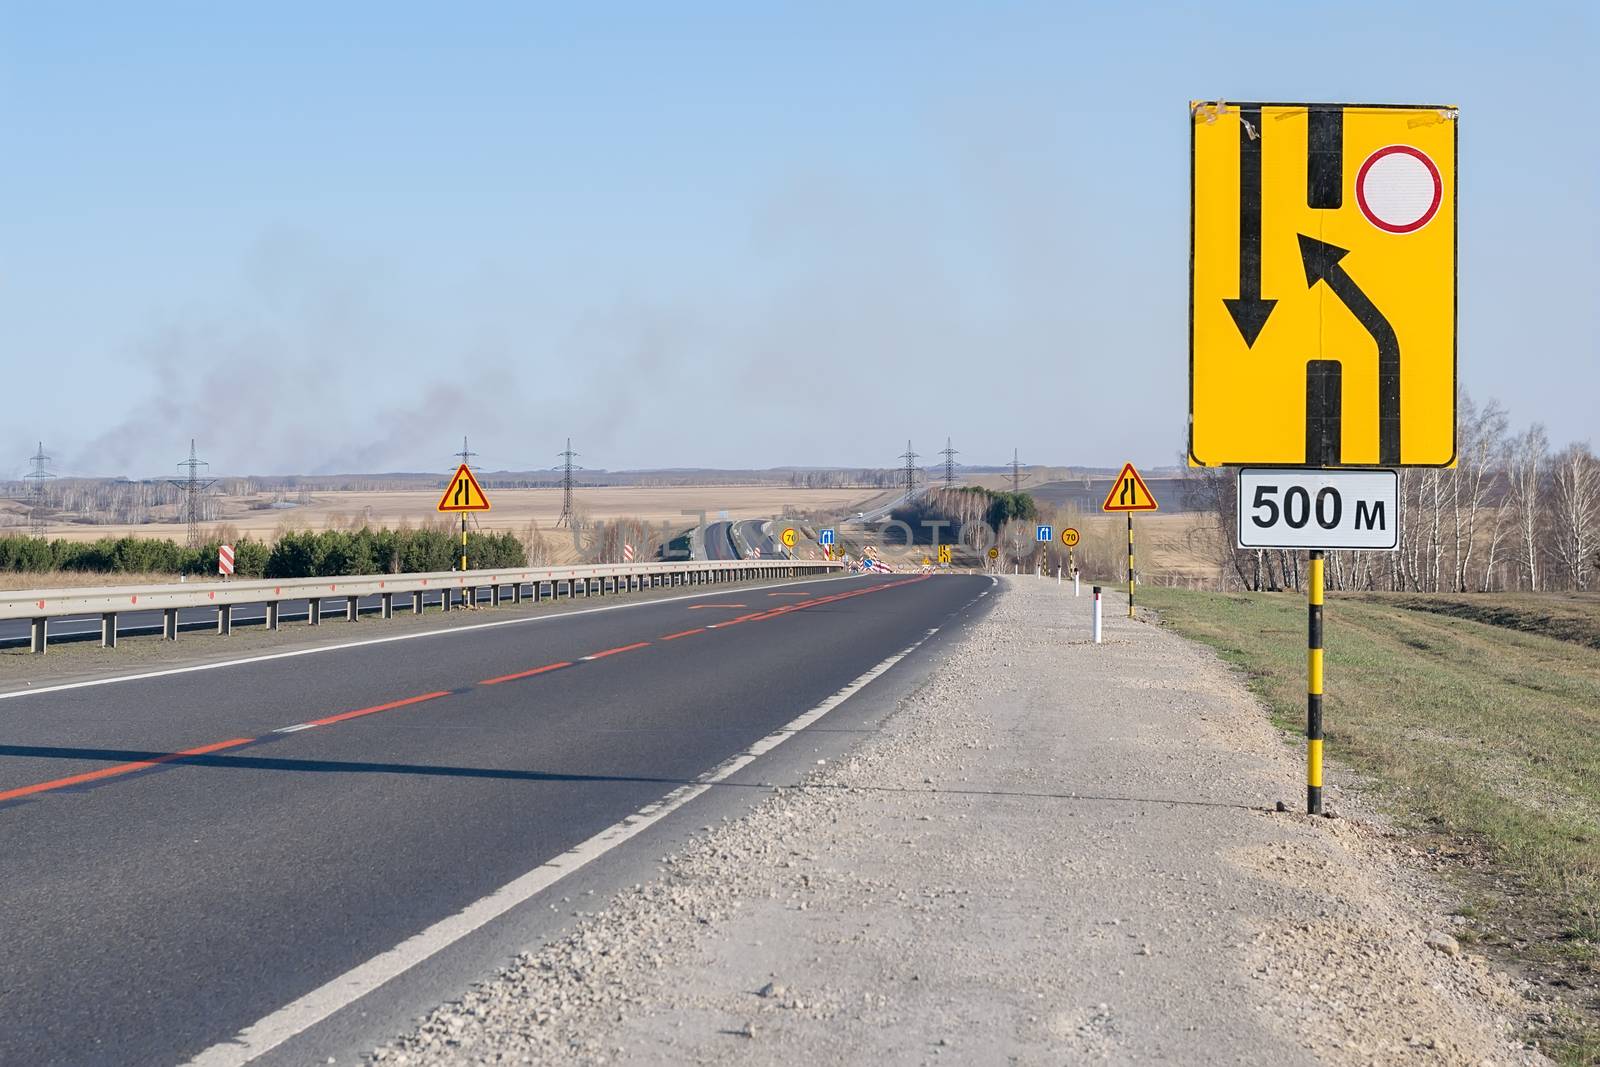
1097 615
1075 588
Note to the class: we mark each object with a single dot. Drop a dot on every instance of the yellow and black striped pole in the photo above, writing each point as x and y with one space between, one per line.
1130 564
463 540
1314 686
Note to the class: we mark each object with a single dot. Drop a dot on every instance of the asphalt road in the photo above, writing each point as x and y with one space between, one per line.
178 867
719 541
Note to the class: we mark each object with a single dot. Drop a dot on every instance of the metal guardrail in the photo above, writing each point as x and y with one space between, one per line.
41 605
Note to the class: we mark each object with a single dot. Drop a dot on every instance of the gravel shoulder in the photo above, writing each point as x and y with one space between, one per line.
1052 851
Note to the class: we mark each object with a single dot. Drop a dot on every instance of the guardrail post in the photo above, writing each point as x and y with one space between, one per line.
169 624
416 602
108 630
40 632
272 614
353 612
224 620
516 593
387 609
494 595
314 613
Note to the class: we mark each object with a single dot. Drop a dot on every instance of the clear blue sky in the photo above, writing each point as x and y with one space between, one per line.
331 237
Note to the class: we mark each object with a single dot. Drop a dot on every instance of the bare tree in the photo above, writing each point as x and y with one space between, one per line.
1525 469
1482 431
1575 513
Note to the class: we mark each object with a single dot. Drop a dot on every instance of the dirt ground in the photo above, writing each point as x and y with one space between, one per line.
1051 852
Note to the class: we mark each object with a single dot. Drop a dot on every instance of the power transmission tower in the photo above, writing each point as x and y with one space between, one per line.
36 479
949 455
566 470
192 488
1016 472
910 470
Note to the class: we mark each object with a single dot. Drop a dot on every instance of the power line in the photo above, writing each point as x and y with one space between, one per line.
910 469
949 455
192 489
36 479
566 470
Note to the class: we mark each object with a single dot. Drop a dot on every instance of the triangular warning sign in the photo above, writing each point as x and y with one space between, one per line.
1129 493
463 493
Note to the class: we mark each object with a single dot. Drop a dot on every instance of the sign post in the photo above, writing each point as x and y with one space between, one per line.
1129 494
463 494
1322 335
1069 537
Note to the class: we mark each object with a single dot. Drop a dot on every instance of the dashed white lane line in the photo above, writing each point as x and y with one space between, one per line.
302 1014
296 728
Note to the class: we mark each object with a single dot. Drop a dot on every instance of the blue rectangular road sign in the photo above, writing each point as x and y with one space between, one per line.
1043 533
824 537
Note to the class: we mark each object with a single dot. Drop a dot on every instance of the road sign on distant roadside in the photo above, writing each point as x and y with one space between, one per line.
225 560
944 554
790 538
1069 537
825 537
1293 507
1044 532
994 553
463 493
627 553
1129 493
755 553
1323 285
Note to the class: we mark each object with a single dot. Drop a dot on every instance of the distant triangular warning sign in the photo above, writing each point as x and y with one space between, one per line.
1129 493
463 493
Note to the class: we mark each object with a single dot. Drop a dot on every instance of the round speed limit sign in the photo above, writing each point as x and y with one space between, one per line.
1069 537
994 553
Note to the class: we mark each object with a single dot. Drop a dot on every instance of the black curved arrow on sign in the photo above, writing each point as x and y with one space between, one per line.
1322 264
1249 311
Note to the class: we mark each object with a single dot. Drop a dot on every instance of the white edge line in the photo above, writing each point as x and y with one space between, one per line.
341 646
300 1015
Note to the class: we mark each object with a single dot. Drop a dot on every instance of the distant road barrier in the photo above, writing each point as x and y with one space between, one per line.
39 606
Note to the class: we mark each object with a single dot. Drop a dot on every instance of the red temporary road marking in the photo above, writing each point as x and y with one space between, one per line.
342 716
121 768
614 651
526 674
684 633
702 607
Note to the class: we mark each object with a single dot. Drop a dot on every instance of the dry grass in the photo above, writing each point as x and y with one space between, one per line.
1480 734
513 510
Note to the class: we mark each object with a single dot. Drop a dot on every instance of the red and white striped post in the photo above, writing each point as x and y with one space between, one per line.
627 553
225 560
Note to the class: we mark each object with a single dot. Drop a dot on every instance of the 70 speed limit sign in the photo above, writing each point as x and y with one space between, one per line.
1301 507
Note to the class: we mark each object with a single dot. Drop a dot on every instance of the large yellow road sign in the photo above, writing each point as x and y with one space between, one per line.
1323 289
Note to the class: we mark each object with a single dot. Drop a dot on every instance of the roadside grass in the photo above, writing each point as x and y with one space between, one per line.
1484 735
1571 617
